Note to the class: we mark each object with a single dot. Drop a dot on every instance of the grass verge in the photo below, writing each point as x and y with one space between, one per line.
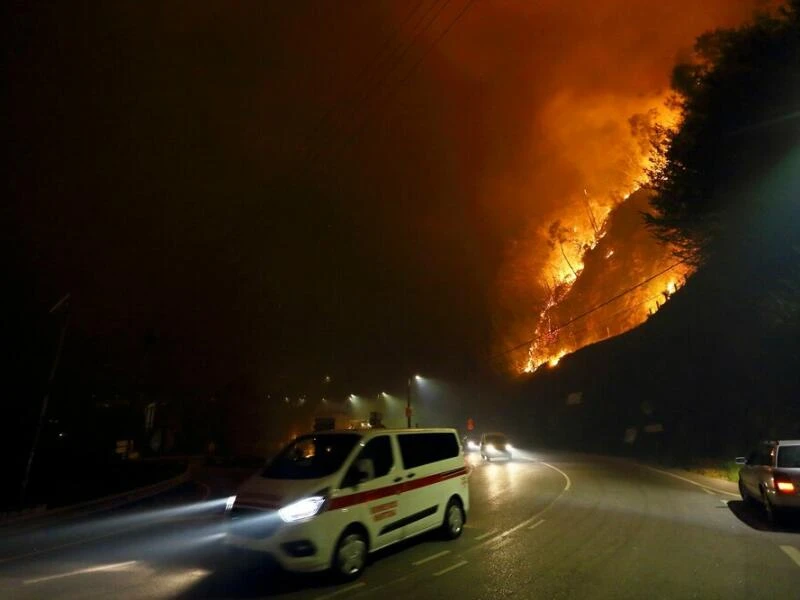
719 469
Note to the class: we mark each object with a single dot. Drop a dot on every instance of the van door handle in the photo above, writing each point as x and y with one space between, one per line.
396 479
410 475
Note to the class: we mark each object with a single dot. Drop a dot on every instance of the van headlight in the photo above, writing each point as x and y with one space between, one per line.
302 509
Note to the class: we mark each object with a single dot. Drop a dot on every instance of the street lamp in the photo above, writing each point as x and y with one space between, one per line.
408 398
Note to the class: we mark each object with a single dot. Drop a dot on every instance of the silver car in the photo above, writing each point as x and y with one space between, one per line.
770 475
495 445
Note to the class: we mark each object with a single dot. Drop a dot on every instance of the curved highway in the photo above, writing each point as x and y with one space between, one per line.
541 526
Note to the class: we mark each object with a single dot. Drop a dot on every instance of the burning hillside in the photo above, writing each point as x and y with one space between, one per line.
621 280
581 266
590 270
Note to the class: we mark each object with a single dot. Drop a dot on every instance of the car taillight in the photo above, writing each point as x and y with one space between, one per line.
784 486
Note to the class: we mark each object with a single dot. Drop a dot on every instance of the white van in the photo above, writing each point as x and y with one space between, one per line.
330 498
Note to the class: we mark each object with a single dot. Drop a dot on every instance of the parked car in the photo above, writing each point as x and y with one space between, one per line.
330 498
770 475
495 445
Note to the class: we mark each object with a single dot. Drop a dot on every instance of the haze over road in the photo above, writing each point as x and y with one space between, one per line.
547 526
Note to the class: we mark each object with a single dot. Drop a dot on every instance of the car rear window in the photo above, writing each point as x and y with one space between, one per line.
424 448
789 457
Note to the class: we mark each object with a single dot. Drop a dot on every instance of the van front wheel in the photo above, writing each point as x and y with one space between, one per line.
350 556
453 524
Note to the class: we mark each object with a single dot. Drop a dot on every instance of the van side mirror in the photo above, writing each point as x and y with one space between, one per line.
741 460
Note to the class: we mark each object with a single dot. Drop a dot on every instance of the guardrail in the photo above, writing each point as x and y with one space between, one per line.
90 506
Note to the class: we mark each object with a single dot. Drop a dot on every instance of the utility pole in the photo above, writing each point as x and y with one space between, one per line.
64 302
408 402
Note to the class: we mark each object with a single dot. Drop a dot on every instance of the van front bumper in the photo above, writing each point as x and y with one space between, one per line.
294 546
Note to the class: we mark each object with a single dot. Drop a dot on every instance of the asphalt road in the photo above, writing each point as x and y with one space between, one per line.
548 526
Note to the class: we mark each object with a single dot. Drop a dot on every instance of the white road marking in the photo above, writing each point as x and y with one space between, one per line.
112 567
700 485
708 491
792 553
535 525
569 483
430 558
373 589
349 588
508 532
450 568
501 543
485 535
725 502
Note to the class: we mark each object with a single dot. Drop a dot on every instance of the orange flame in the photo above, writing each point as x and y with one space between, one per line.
576 231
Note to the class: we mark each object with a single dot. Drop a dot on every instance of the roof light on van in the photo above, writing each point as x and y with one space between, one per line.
229 503
302 509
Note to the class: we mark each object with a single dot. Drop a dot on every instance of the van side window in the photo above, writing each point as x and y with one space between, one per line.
379 450
423 448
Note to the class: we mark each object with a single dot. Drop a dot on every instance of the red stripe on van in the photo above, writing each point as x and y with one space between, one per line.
394 489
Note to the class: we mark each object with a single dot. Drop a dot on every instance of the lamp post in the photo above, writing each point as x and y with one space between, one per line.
408 402
408 398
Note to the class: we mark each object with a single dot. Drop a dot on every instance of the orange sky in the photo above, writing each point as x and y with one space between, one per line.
559 83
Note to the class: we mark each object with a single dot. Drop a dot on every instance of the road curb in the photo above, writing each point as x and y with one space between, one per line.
105 503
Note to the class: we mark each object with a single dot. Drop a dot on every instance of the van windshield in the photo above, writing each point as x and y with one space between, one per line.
311 456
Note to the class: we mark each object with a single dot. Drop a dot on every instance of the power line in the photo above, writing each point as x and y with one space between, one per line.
367 70
425 23
441 36
415 32
585 314
614 316
425 54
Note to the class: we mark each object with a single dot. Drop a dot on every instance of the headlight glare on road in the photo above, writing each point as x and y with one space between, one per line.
472 445
302 509
229 503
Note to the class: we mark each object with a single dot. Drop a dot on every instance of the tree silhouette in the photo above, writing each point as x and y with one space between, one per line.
739 98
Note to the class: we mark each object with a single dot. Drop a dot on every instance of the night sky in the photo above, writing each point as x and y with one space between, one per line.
300 188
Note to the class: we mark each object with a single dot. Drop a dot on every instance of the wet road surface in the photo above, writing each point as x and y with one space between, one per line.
540 526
